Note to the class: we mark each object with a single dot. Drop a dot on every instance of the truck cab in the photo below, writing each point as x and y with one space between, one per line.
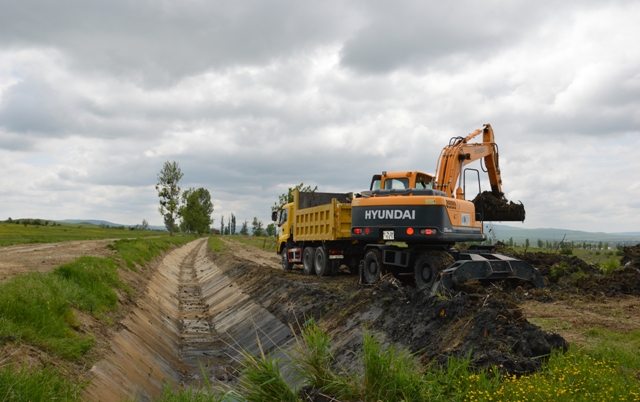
284 221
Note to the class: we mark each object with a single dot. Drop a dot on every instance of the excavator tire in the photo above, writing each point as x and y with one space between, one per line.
323 263
286 265
428 267
372 266
308 260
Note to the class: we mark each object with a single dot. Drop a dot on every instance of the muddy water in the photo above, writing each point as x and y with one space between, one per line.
191 321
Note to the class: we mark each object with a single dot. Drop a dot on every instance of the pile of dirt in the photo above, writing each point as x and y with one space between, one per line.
490 328
557 268
571 274
495 208
485 323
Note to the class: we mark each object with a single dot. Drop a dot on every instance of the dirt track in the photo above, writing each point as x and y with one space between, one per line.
26 258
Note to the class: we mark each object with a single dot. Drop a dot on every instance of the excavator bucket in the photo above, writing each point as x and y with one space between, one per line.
492 208
479 265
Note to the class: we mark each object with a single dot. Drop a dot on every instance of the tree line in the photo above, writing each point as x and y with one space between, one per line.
193 208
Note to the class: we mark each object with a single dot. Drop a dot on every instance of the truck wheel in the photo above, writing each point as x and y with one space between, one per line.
323 264
308 260
372 266
286 265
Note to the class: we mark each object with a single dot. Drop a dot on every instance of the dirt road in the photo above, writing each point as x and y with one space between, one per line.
26 258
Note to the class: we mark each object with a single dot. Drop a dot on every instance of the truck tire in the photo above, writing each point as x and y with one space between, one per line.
372 266
428 266
286 265
323 264
309 260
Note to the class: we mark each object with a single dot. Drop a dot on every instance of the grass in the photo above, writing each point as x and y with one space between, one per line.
13 234
589 256
135 251
265 243
36 385
608 266
390 375
216 244
39 309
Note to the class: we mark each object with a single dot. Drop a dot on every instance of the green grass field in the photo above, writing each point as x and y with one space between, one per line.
13 234
39 309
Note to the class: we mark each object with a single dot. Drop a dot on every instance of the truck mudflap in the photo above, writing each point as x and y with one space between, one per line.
486 266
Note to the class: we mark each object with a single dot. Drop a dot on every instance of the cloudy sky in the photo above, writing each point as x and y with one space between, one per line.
255 96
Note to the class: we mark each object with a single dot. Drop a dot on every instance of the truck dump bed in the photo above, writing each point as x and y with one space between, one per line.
321 216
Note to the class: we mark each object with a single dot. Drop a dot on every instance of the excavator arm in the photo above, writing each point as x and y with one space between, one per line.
460 152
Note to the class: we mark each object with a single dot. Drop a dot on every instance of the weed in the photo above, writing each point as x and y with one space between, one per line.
559 270
37 385
607 267
216 244
313 358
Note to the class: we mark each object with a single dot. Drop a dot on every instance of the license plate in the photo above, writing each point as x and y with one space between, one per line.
387 234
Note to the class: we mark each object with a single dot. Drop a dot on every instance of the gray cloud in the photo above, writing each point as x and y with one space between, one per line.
251 98
160 43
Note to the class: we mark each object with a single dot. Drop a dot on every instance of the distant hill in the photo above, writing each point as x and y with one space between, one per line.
519 235
107 223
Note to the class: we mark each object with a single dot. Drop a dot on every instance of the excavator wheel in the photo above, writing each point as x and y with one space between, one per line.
372 266
428 266
308 260
286 265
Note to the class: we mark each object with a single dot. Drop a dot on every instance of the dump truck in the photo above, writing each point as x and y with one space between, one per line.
315 230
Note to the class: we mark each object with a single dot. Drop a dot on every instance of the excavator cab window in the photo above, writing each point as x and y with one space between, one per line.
396 183
375 182
423 182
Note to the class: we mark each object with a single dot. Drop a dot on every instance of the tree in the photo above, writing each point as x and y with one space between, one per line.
287 197
256 226
271 229
526 243
145 225
244 230
196 210
232 226
169 193
222 225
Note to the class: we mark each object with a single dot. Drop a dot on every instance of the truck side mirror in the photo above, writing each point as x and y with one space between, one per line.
274 215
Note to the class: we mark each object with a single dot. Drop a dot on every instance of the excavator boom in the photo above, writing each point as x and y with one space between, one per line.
460 152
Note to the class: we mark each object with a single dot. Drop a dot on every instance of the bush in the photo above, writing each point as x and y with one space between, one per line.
566 251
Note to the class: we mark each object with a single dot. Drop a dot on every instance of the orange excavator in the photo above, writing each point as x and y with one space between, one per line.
410 221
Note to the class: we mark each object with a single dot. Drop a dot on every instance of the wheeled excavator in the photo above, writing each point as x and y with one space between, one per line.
409 222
